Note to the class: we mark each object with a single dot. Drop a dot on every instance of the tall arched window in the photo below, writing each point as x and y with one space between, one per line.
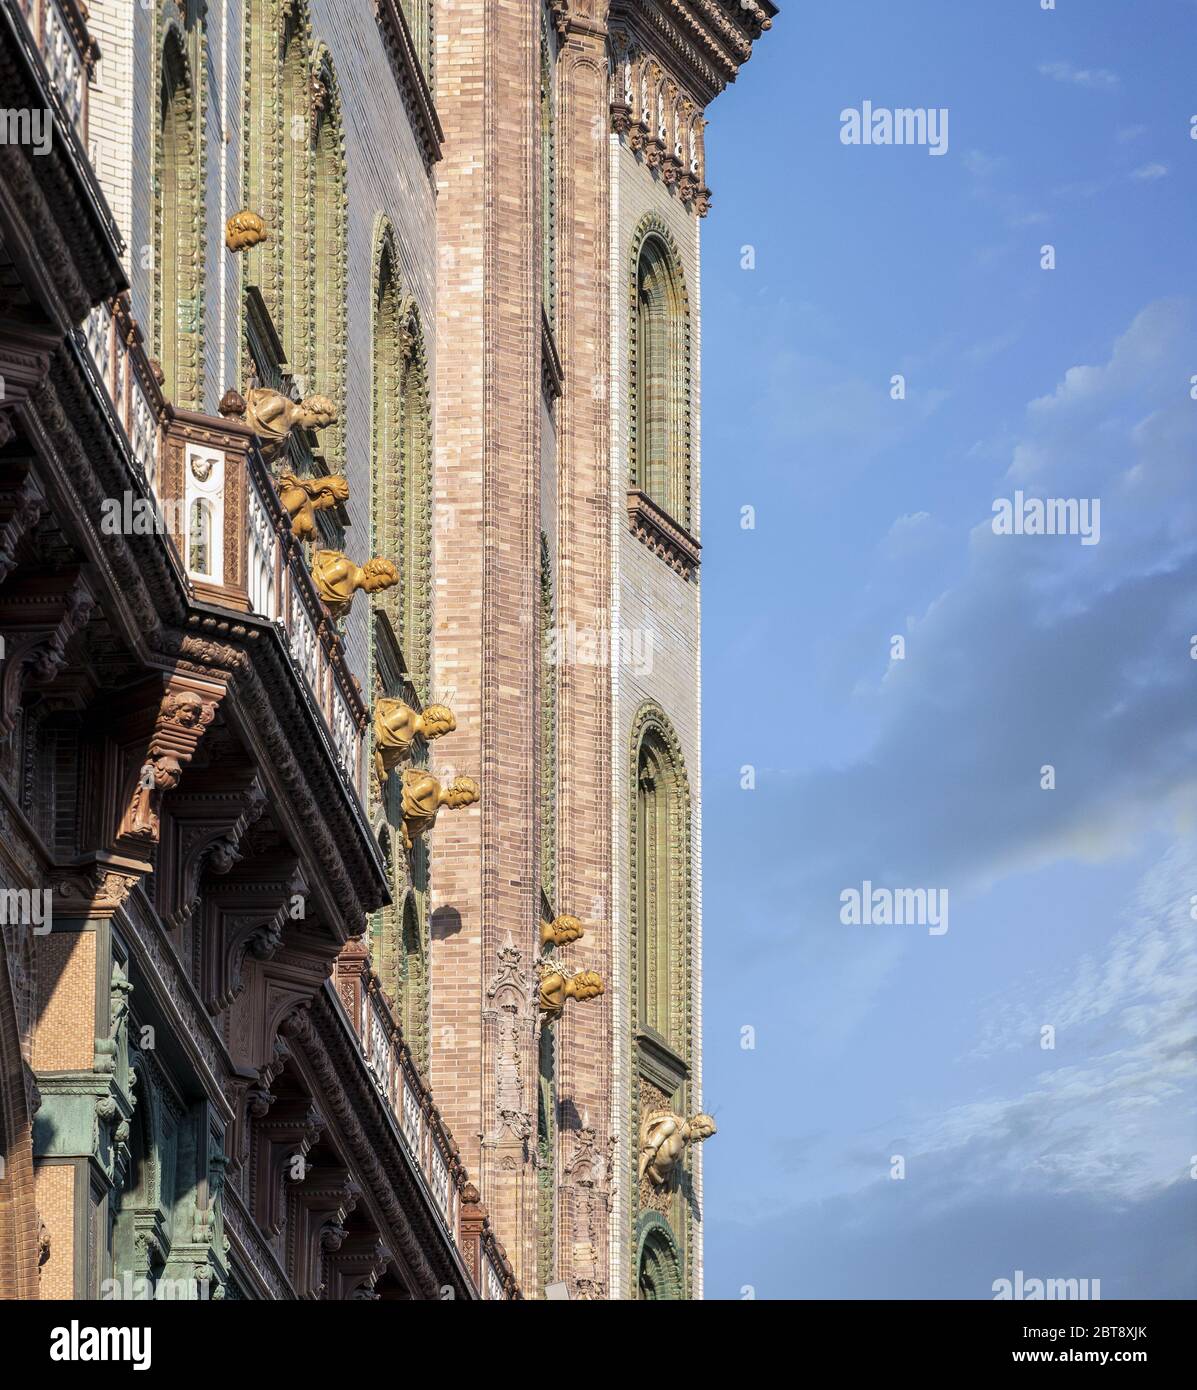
548 176
413 1002
660 373
402 482
329 254
661 885
178 214
548 728
295 127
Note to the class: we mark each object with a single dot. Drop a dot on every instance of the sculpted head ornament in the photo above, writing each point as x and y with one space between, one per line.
423 797
337 578
556 987
272 416
561 931
243 230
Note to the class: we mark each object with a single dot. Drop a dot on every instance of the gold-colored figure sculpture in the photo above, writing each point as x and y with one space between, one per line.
556 987
337 578
243 230
664 1137
396 726
304 497
560 931
423 797
272 416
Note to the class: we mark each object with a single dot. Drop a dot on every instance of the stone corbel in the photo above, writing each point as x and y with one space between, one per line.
281 1141
317 1208
39 614
182 719
203 834
97 886
245 914
22 504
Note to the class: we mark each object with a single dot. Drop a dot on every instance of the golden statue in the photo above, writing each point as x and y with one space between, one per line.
560 931
304 497
272 416
338 578
664 1137
556 987
423 797
243 230
397 725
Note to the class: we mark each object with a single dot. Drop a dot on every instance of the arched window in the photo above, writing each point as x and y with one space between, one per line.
661 885
548 728
658 1275
548 176
402 482
660 373
329 254
178 216
199 537
413 1002
294 128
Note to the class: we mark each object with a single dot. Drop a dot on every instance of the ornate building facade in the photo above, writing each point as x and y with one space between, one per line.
351 941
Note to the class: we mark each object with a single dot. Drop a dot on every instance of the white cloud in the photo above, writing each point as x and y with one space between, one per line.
1148 173
1100 79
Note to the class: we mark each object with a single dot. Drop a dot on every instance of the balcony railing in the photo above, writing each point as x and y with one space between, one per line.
200 469
59 28
418 1122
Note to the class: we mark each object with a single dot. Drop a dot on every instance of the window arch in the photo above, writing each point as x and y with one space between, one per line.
294 128
548 174
548 727
178 219
660 878
295 177
327 329
402 462
658 1264
413 1000
660 372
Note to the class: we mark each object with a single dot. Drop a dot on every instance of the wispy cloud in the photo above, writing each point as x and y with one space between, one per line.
1148 173
1099 79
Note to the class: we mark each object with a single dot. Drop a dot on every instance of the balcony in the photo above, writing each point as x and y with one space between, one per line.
217 504
422 1132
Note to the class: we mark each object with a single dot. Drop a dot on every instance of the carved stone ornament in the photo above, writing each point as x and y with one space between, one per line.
396 726
561 931
338 578
664 1138
304 497
243 230
182 720
423 797
556 986
272 416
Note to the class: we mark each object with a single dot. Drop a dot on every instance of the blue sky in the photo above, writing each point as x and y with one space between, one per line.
1069 908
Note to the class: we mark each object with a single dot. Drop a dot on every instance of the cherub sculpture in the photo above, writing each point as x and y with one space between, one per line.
397 725
272 416
423 797
560 931
337 578
664 1137
304 497
556 987
243 230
